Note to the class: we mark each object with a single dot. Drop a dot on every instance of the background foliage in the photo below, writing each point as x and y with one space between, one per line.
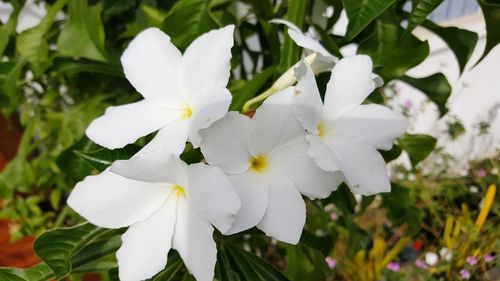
59 75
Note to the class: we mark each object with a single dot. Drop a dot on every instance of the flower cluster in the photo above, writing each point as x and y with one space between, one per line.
256 170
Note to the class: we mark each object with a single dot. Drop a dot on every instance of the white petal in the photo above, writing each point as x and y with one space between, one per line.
362 165
171 138
152 166
194 242
373 124
307 104
322 154
225 143
121 125
350 83
145 245
286 214
207 109
274 123
112 201
151 63
212 195
206 62
301 39
252 189
293 161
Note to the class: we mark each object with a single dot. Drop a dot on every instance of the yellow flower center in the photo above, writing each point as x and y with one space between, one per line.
258 164
187 113
178 190
321 130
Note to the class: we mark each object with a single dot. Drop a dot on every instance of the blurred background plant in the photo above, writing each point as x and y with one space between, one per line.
60 69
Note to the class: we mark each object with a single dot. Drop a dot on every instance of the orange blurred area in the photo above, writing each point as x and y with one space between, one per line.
19 253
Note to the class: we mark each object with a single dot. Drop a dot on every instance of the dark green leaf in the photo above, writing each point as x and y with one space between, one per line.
73 165
103 158
173 266
187 20
39 272
391 154
114 7
72 67
57 247
401 209
251 267
249 90
435 87
392 53
421 9
83 35
461 41
10 73
417 146
491 13
290 52
361 13
328 42
324 244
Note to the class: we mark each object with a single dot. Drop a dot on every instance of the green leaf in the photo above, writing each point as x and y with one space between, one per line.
249 90
72 67
187 20
435 87
361 13
421 9
462 42
40 272
401 208
9 27
417 146
392 53
10 73
32 43
290 52
103 158
57 247
328 42
174 265
391 154
491 13
251 267
324 244
73 165
83 35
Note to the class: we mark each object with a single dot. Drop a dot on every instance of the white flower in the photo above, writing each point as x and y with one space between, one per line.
431 258
267 163
167 204
182 94
445 253
344 134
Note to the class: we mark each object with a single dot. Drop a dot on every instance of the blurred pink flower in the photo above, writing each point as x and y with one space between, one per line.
471 260
393 266
489 258
481 173
331 262
464 273
420 264
334 216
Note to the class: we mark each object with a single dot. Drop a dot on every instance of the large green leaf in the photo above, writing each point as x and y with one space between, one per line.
32 43
417 146
251 267
83 35
57 247
361 13
250 88
435 87
421 9
290 52
187 20
461 41
103 158
491 13
392 50
40 272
